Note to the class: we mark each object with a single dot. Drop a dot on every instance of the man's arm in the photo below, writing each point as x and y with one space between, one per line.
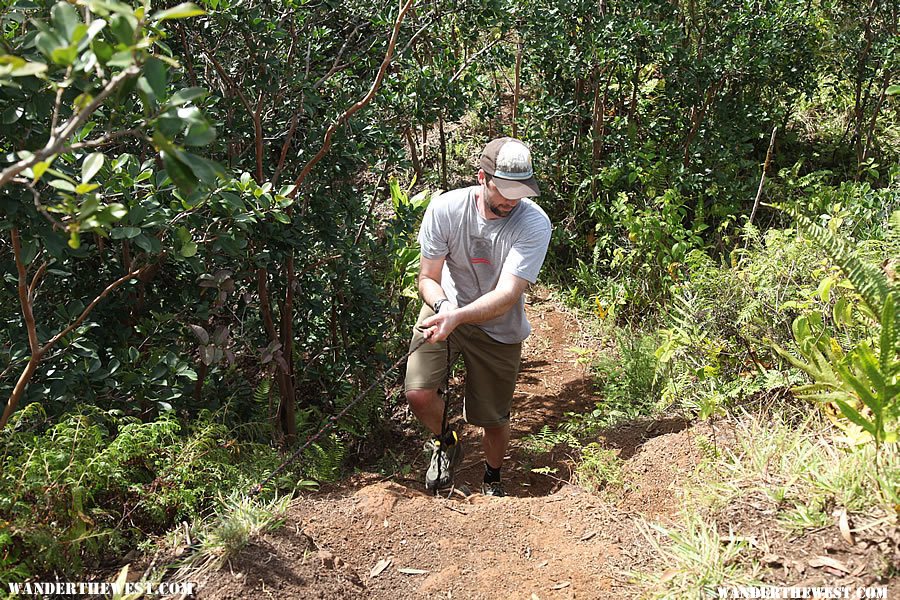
430 280
493 304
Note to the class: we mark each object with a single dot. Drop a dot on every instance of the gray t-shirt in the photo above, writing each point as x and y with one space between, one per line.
477 250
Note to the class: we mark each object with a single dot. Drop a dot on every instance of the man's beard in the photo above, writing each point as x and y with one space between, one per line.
496 210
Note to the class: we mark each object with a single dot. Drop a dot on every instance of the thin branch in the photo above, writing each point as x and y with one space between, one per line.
37 203
472 58
58 102
258 134
329 133
762 178
24 300
421 30
35 281
102 140
362 225
58 137
286 146
335 67
318 263
111 287
226 78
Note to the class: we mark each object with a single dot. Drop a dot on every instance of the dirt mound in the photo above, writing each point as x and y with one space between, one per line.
284 564
570 543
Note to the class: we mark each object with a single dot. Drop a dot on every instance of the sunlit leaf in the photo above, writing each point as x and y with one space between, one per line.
182 11
91 166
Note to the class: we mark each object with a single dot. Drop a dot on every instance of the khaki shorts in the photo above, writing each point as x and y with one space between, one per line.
491 370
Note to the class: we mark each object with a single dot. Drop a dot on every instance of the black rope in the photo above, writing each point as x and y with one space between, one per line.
334 419
443 438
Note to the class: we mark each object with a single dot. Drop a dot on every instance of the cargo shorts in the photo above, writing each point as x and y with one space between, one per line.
491 370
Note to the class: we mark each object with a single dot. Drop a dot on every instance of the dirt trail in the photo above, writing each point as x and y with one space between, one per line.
372 537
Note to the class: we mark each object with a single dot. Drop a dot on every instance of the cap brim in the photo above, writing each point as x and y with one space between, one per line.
517 189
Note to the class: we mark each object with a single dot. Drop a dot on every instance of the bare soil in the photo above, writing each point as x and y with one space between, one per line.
372 536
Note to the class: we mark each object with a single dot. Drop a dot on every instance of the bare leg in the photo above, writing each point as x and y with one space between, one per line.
495 442
428 407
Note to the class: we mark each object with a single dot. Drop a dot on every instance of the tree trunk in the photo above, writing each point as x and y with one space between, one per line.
413 152
443 140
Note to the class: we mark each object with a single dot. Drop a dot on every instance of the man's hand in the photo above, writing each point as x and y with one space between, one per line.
440 326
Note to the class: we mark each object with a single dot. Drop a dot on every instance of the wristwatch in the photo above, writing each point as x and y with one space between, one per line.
438 304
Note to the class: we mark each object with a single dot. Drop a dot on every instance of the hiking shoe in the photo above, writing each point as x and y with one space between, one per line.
443 461
493 489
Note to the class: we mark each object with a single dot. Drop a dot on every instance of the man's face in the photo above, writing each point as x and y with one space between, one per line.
496 202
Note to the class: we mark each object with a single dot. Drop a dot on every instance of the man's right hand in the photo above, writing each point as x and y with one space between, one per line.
439 327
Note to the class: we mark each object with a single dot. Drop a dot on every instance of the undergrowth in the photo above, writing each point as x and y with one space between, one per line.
803 468
792 465
97 483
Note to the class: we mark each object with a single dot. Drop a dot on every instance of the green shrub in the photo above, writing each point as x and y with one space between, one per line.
97 483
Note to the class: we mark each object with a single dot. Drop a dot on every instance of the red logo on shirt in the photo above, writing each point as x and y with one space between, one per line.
480 261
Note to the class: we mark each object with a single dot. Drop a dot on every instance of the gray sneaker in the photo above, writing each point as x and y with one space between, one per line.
442 463
493 489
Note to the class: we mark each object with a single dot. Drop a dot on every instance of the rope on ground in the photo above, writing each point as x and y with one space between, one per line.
331 421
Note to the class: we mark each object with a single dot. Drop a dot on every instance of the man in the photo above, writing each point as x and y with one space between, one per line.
481 247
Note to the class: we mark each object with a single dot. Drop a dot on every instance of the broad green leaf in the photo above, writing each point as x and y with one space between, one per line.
12 62
30 68
182 11
84 188
103 51
204 169
121 59
47 42
155 72
29 250
62 184
125 233
824 290
93 29
91 166
182 176
199 134
116 210
123 28
64 55
11 114
106 7
185 95
188 250
13 66
147 243
78 34
65 19
893 90
39 169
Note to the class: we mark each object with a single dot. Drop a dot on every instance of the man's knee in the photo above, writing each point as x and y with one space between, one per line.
496 429
420 398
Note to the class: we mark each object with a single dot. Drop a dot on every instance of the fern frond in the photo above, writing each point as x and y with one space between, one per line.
261 393
873 285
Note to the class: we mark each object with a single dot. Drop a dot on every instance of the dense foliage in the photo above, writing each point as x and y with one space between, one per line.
199 251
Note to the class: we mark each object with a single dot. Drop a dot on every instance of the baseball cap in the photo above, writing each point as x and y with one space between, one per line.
508 160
